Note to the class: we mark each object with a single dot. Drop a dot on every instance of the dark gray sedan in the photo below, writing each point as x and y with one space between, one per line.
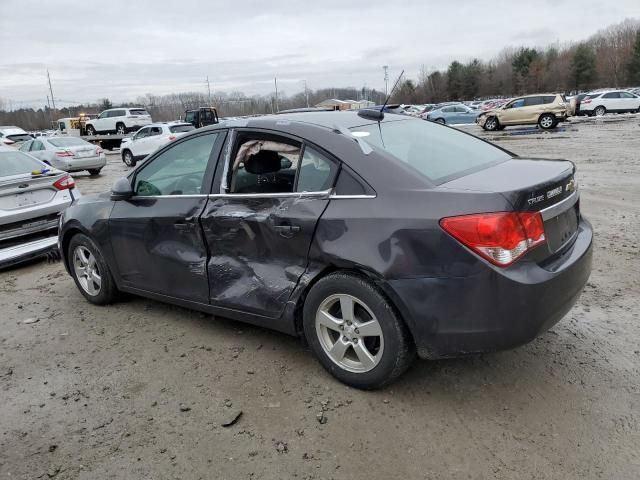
373 236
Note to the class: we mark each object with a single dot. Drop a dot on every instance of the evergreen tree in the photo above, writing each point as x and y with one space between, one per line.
583 66
633 67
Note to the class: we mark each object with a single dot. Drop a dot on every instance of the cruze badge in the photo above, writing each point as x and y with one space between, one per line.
554 192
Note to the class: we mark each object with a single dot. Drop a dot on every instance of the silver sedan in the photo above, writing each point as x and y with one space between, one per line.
32 196
70 154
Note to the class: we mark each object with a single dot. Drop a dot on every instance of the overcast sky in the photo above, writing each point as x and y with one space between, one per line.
122 49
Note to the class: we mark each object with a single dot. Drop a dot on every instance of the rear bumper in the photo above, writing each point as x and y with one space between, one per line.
28 251
495 309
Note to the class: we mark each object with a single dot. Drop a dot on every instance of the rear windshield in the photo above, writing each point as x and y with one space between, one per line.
181 128
138 111
16 163
68 142
439 153
20 137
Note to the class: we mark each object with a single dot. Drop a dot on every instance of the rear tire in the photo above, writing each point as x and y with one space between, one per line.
441 121
90 271
492 124
94 171
547 121
599 111
128 158
355 332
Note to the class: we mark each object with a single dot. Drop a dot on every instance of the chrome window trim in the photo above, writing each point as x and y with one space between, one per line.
560 207
351 197
148 197
320 194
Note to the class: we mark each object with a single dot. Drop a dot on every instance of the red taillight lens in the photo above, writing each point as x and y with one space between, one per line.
64 153
501 237
64 183
586 101
99 151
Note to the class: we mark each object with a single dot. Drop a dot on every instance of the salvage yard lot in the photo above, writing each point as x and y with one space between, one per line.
141 389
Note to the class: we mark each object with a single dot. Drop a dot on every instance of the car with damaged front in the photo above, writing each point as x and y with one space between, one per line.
545 111
32 196
373 236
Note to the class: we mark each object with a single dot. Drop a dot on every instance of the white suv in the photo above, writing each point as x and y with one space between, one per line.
150 138
118 120
618 101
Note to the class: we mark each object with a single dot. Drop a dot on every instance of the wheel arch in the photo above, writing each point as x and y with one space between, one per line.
297 304
65 240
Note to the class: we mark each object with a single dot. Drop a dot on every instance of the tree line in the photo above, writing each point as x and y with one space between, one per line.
609 58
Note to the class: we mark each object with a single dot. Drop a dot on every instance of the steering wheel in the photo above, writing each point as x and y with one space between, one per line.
189 184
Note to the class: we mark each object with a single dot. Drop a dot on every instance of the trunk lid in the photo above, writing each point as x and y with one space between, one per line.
547 186
22 191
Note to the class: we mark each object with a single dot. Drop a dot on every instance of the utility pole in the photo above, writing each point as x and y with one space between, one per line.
275 79
306 93
49 111
386 80
209 89
53 101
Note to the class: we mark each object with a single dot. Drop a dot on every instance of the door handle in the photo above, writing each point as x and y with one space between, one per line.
286 228
183 226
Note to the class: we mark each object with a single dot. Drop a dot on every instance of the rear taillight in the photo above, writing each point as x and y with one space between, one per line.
172 137
64 183
99 151
586 101
64 153
501 237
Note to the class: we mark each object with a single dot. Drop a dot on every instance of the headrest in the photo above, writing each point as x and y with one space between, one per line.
265 161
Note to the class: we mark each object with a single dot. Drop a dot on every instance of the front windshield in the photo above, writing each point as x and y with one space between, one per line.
439 153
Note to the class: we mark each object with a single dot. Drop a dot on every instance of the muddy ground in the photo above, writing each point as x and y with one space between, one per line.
141 389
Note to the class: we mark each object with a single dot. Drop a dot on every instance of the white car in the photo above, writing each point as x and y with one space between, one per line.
150 138
615 101
119 121
70 154
13 136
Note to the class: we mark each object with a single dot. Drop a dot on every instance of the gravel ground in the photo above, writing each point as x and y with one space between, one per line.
141 389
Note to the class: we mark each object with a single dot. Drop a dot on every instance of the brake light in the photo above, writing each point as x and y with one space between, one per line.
99 151
64 153
172 137
586 100
64 183
501 237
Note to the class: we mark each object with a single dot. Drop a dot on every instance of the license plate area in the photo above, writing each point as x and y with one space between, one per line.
562 228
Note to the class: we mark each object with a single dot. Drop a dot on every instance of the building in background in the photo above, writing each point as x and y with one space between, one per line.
336 104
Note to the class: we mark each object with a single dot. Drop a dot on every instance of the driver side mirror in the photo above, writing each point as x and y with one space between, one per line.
121 190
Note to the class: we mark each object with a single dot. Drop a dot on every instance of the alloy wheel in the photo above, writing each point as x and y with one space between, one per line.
546 121
86 270
349 333
491 124
128 158
120 130
600 111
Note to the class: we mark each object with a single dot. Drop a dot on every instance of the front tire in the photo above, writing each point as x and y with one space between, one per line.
355 332
128 158
547 121
121 129
90 271
491 124
91 131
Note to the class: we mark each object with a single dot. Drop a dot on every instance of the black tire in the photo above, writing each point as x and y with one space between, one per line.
128 158
121 129
395 346
599 111
441 121
492 124
90 130
108 292
94 171
547 121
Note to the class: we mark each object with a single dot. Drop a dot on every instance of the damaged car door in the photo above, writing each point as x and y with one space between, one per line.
260 226
155 235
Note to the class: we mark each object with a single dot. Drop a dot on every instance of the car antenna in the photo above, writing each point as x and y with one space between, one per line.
378 115
391 92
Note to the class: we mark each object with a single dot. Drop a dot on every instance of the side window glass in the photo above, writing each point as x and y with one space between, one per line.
103 115
142 133
264 166
626 95
25 146
36 146
611 95
177 171
517 103
316 172
156 131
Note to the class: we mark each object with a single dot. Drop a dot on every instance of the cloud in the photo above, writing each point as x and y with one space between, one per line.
130 48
